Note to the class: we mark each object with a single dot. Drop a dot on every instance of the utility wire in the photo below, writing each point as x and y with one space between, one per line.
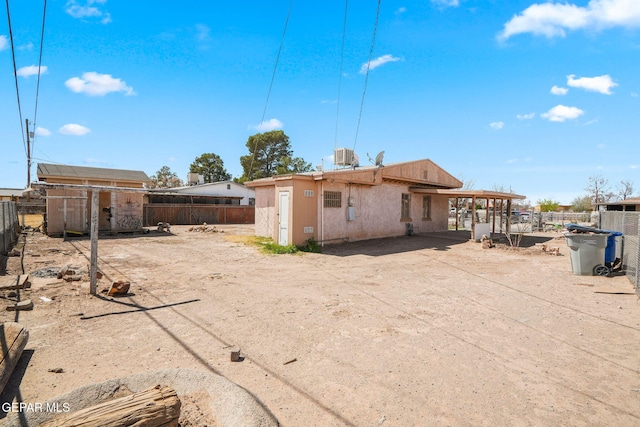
366 79
15 76
344 32
273 76
35 113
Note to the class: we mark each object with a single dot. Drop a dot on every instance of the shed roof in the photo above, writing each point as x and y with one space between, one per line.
47 170
8 192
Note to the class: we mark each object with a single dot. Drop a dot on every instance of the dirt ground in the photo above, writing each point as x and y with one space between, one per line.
420 330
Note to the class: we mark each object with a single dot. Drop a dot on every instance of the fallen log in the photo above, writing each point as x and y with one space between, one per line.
158 406
20 282
13 339
24 305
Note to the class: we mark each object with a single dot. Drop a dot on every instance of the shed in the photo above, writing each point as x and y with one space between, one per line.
69 191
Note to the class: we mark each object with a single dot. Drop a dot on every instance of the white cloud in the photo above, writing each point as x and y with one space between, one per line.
74 129
378 62
31 70
557 90
95 84
269 125
42 131
401 10
554 19
88 9
526 116
601 84
446 3
4 42
496 125
560 113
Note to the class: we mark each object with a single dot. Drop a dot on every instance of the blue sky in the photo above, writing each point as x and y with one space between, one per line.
535 97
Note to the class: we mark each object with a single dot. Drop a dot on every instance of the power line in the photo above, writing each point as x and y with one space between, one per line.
366 79
15 75
35 113
344 33
273 76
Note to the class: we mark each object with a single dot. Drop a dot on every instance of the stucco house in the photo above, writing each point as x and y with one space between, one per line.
353 204
69 192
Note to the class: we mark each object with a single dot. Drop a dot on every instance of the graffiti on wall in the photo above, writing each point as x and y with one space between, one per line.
129 222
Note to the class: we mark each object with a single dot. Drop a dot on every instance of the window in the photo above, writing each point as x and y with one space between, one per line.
308 193
332 199
228 186
252 201
406 206
426 208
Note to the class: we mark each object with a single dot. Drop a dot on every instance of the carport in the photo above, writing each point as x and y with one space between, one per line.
500 201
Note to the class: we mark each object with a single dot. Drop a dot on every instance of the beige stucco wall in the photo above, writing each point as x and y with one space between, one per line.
378 213
265 212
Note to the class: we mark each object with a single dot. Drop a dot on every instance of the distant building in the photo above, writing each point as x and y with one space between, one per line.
69 192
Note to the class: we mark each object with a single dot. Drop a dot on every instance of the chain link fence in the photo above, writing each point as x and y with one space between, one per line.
9 226
628 223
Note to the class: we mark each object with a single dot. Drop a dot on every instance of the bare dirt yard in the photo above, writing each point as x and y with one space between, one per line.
420 330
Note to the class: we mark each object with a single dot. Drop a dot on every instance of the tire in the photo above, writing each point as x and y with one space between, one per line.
601 270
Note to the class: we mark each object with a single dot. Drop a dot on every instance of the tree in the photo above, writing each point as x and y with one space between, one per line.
270 154
625 189
548 205
293 165
164 178
598 190
211 167
581 204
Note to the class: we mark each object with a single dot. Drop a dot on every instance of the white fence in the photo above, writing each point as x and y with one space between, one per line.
9 226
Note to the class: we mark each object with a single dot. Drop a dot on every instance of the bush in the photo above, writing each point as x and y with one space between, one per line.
310 246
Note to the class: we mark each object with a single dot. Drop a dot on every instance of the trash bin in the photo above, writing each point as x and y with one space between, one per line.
587 251
610 250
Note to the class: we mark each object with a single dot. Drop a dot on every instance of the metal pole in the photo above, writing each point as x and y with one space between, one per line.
93 272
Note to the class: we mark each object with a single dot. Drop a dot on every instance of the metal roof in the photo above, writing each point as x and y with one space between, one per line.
46 170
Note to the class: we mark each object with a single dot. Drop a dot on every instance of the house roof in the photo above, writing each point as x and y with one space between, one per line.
46 170
417 172
630 201
7 192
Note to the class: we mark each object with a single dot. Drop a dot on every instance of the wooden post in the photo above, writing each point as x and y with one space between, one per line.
93 272
13 339
64 220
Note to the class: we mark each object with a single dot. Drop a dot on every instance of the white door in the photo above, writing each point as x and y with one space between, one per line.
283 219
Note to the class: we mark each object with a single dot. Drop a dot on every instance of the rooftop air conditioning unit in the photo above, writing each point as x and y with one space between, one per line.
194 179
343 157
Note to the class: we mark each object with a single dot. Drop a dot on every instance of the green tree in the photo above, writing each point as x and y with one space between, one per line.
211 167
293 165
165 178
581 204
270 154
548 205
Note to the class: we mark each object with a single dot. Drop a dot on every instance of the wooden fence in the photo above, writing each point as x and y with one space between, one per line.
9 226
178 214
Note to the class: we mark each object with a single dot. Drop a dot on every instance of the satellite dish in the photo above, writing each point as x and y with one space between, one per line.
379 158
